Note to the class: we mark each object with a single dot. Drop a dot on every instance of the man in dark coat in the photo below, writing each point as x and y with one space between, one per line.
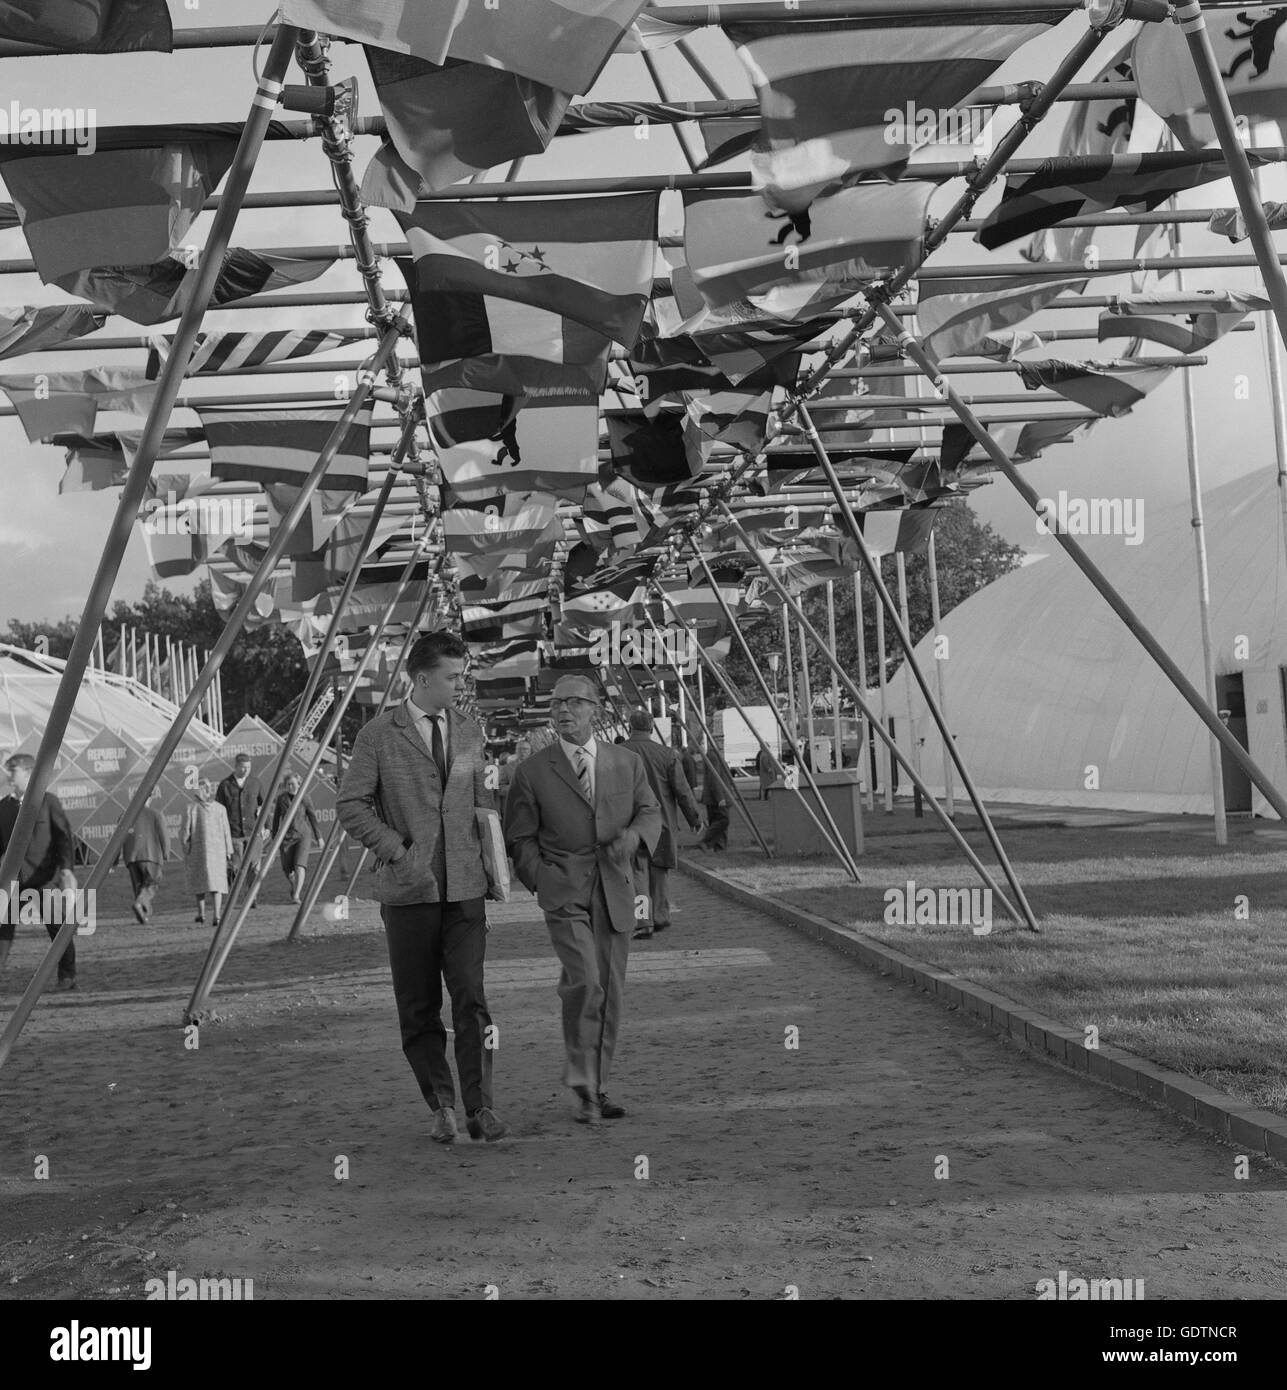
49 859
145 849
241 795
674 793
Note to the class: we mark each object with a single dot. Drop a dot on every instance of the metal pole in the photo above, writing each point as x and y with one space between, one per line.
940 663
1118 604
900 562
806 695
858 697
788 658
134 491
701 694
864 732
837 761
147 659
887 771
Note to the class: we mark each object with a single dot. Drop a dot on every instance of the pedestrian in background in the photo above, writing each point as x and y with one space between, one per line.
145 849
207 843
302 836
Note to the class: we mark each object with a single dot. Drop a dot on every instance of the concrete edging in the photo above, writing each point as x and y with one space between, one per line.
1258 1130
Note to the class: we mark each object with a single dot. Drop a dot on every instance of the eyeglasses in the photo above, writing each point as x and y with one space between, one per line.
574 700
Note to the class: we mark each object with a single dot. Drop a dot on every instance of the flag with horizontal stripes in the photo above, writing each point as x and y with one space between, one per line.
843 97
549 449
369 602
447 121
1185 322
698 603
475 590
608 520
30 329
251 444
604 604
586 259
1076 186
956 316
234 352
456 414
652 452
737 249
499 623
1107 388
564 43
53 401
171 552
1229 221
1254 70
88 26
516 659
511 523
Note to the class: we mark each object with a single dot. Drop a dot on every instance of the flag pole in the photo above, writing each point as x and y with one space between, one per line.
940 664
838 760
335 840
882 664
864 731
900 564
943 386
788 660
806 696
886 737
174 734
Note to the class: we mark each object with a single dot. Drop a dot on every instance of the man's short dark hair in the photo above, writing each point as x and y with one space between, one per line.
641 721
20 760
431 649
243 758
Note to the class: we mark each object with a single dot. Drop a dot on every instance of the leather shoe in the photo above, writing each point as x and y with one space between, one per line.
609 1109
443 1130
642 933
587 1111
483 1124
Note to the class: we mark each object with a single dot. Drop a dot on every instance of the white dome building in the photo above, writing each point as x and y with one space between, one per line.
1054 702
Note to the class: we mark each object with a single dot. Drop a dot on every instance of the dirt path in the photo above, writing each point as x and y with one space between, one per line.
767 1167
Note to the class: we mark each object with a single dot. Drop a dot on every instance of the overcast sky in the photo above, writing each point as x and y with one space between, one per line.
50 544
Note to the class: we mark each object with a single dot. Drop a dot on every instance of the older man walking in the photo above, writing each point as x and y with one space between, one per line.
578 812
416 778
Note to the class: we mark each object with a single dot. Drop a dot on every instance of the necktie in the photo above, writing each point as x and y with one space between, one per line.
583 771
439 753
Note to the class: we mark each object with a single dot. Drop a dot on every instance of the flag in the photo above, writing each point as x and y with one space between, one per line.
727 137
255 445
737 249
550 449
368 603
53 401
446 122
603 605
652 452
499 622
1253 69
100 461
699 604
1093 384
956 316
736 418
170 552
586 259
1100 127
1228 221
315 527
1031 439
30 329
88 26
512 522
1077 187
129 203
457 414
1005 347
234 352
563 43
1185 322
516 659
839 98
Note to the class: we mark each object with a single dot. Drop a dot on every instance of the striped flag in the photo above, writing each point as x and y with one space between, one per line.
281 446
517 659
29 329
88 26
842 97
502 621
697 604
586 259
512 522
54 401
563 43
956 316
1081 185
446 122
1185 322
231 352
737 249
1107 388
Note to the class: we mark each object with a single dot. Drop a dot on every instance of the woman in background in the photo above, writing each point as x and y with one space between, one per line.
298 843
207 843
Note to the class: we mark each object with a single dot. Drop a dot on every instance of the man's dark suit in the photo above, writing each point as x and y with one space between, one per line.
242 805
665 770
50 852
431 897
561 849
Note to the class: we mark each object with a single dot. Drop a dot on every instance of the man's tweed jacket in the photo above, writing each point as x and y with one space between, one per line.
392 792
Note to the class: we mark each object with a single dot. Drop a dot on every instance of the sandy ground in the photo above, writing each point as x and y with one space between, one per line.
767 1167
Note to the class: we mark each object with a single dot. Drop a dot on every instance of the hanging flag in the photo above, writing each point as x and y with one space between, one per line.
54 401
605 604
457 414
171 550
563 43
737 249
1186 322
502 621
698 604
88 26
234 352
101 461
608 517
513 660
956 316
652 452
735 418
282 446
129 203
29 329
1100 127
1005 347
1107 388
727 137
315 527
840 98
1229 222
586 259
1077 187
1026 442
511 522
550 449
1253 69
446 122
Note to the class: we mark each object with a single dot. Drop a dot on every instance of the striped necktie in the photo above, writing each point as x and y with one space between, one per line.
583 772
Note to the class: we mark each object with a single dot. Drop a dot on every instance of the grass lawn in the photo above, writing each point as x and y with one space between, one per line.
1139 930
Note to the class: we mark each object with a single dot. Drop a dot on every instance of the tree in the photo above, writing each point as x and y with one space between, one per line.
970 556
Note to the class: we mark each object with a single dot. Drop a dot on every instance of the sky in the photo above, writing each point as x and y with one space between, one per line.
50 544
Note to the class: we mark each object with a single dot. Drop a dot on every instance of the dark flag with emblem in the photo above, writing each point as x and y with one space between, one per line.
88 26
